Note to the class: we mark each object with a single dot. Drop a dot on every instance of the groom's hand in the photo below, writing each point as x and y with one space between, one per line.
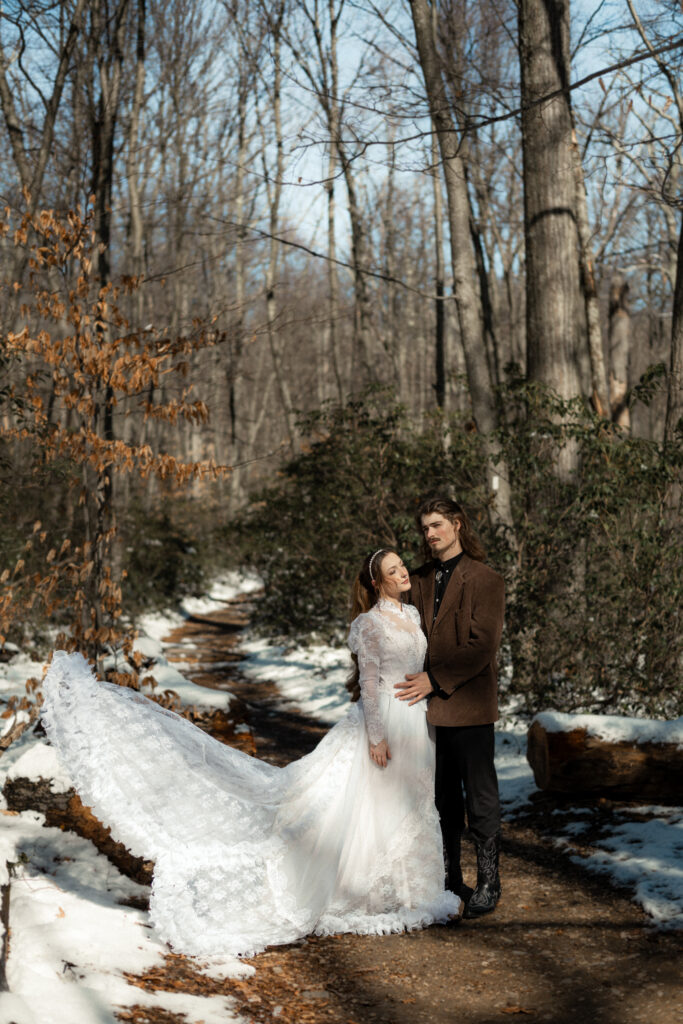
415 688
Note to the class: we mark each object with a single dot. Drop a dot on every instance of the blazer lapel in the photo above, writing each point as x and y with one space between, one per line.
454 591
427 592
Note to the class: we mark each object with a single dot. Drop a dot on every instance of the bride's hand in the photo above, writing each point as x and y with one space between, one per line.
380 753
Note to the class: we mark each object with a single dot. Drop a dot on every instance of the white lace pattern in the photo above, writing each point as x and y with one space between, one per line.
388 643
249 855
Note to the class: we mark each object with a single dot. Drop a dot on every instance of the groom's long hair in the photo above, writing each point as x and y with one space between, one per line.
364 596
450 509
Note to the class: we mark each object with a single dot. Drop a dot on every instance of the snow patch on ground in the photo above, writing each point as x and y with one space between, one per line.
614 728
312 677
14 674
170 676
39 761
152 628
224 588
72 939
644 855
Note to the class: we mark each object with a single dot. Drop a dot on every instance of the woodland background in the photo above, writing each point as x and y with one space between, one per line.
274 272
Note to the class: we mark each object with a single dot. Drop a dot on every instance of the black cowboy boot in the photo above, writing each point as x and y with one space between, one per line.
487 893
454 879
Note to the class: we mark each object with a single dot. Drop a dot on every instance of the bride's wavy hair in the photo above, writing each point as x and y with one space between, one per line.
450 509
364 595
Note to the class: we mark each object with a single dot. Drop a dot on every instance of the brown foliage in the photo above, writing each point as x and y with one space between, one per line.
75 359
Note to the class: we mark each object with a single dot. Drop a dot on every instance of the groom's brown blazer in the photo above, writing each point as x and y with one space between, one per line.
462 641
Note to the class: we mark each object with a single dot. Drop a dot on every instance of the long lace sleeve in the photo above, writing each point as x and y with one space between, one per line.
364 641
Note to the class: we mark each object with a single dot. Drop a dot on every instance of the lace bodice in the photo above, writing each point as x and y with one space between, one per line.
388 643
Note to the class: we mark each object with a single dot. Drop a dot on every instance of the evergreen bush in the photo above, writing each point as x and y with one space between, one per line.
594 577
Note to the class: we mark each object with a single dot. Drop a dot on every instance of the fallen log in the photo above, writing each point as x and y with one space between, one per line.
65 810
607 755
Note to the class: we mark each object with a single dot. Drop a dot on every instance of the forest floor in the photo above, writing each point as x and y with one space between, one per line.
562 946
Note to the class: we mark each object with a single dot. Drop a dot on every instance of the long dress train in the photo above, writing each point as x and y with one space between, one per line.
247 854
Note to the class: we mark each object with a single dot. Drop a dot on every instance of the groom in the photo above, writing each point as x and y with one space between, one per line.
461 603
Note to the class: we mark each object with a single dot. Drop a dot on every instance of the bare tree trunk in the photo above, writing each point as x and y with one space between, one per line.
440 351
332 270
135 231
109 66
274 196
237 328
467 298
322 72
485 291
362 305
108 57
600 392
390 328
362 318
619 350
333 273
674 404
552 267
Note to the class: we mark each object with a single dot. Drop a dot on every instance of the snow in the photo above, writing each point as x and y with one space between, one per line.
225 588
152 628
39 761
14 673
644 855
311 677
170 676
615 728
72 940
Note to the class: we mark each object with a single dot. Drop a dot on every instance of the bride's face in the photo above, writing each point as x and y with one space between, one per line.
395 580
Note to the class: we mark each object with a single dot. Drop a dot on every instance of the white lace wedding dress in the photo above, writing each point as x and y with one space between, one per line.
247 854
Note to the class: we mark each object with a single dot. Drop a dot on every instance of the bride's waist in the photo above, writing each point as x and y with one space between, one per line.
388 692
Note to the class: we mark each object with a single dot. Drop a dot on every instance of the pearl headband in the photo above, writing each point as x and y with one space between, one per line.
378 552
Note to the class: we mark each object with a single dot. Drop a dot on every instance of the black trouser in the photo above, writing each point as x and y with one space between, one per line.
464 760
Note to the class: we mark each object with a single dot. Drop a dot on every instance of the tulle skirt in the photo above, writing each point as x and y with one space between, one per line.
246 854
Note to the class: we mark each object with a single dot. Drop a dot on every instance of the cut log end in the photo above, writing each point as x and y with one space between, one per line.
574 761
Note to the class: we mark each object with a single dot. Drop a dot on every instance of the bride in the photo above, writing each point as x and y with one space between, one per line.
247 855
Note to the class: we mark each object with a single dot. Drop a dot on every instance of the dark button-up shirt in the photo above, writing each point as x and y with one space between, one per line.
442 575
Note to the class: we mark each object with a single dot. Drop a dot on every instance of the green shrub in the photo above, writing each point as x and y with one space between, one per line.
170 547
594 620
356 485
594 576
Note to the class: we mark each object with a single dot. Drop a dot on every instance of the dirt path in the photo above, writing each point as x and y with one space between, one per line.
561 947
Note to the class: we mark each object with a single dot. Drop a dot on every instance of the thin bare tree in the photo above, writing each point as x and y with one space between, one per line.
465 276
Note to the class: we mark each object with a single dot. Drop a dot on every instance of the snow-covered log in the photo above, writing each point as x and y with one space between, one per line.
621 758
36 782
